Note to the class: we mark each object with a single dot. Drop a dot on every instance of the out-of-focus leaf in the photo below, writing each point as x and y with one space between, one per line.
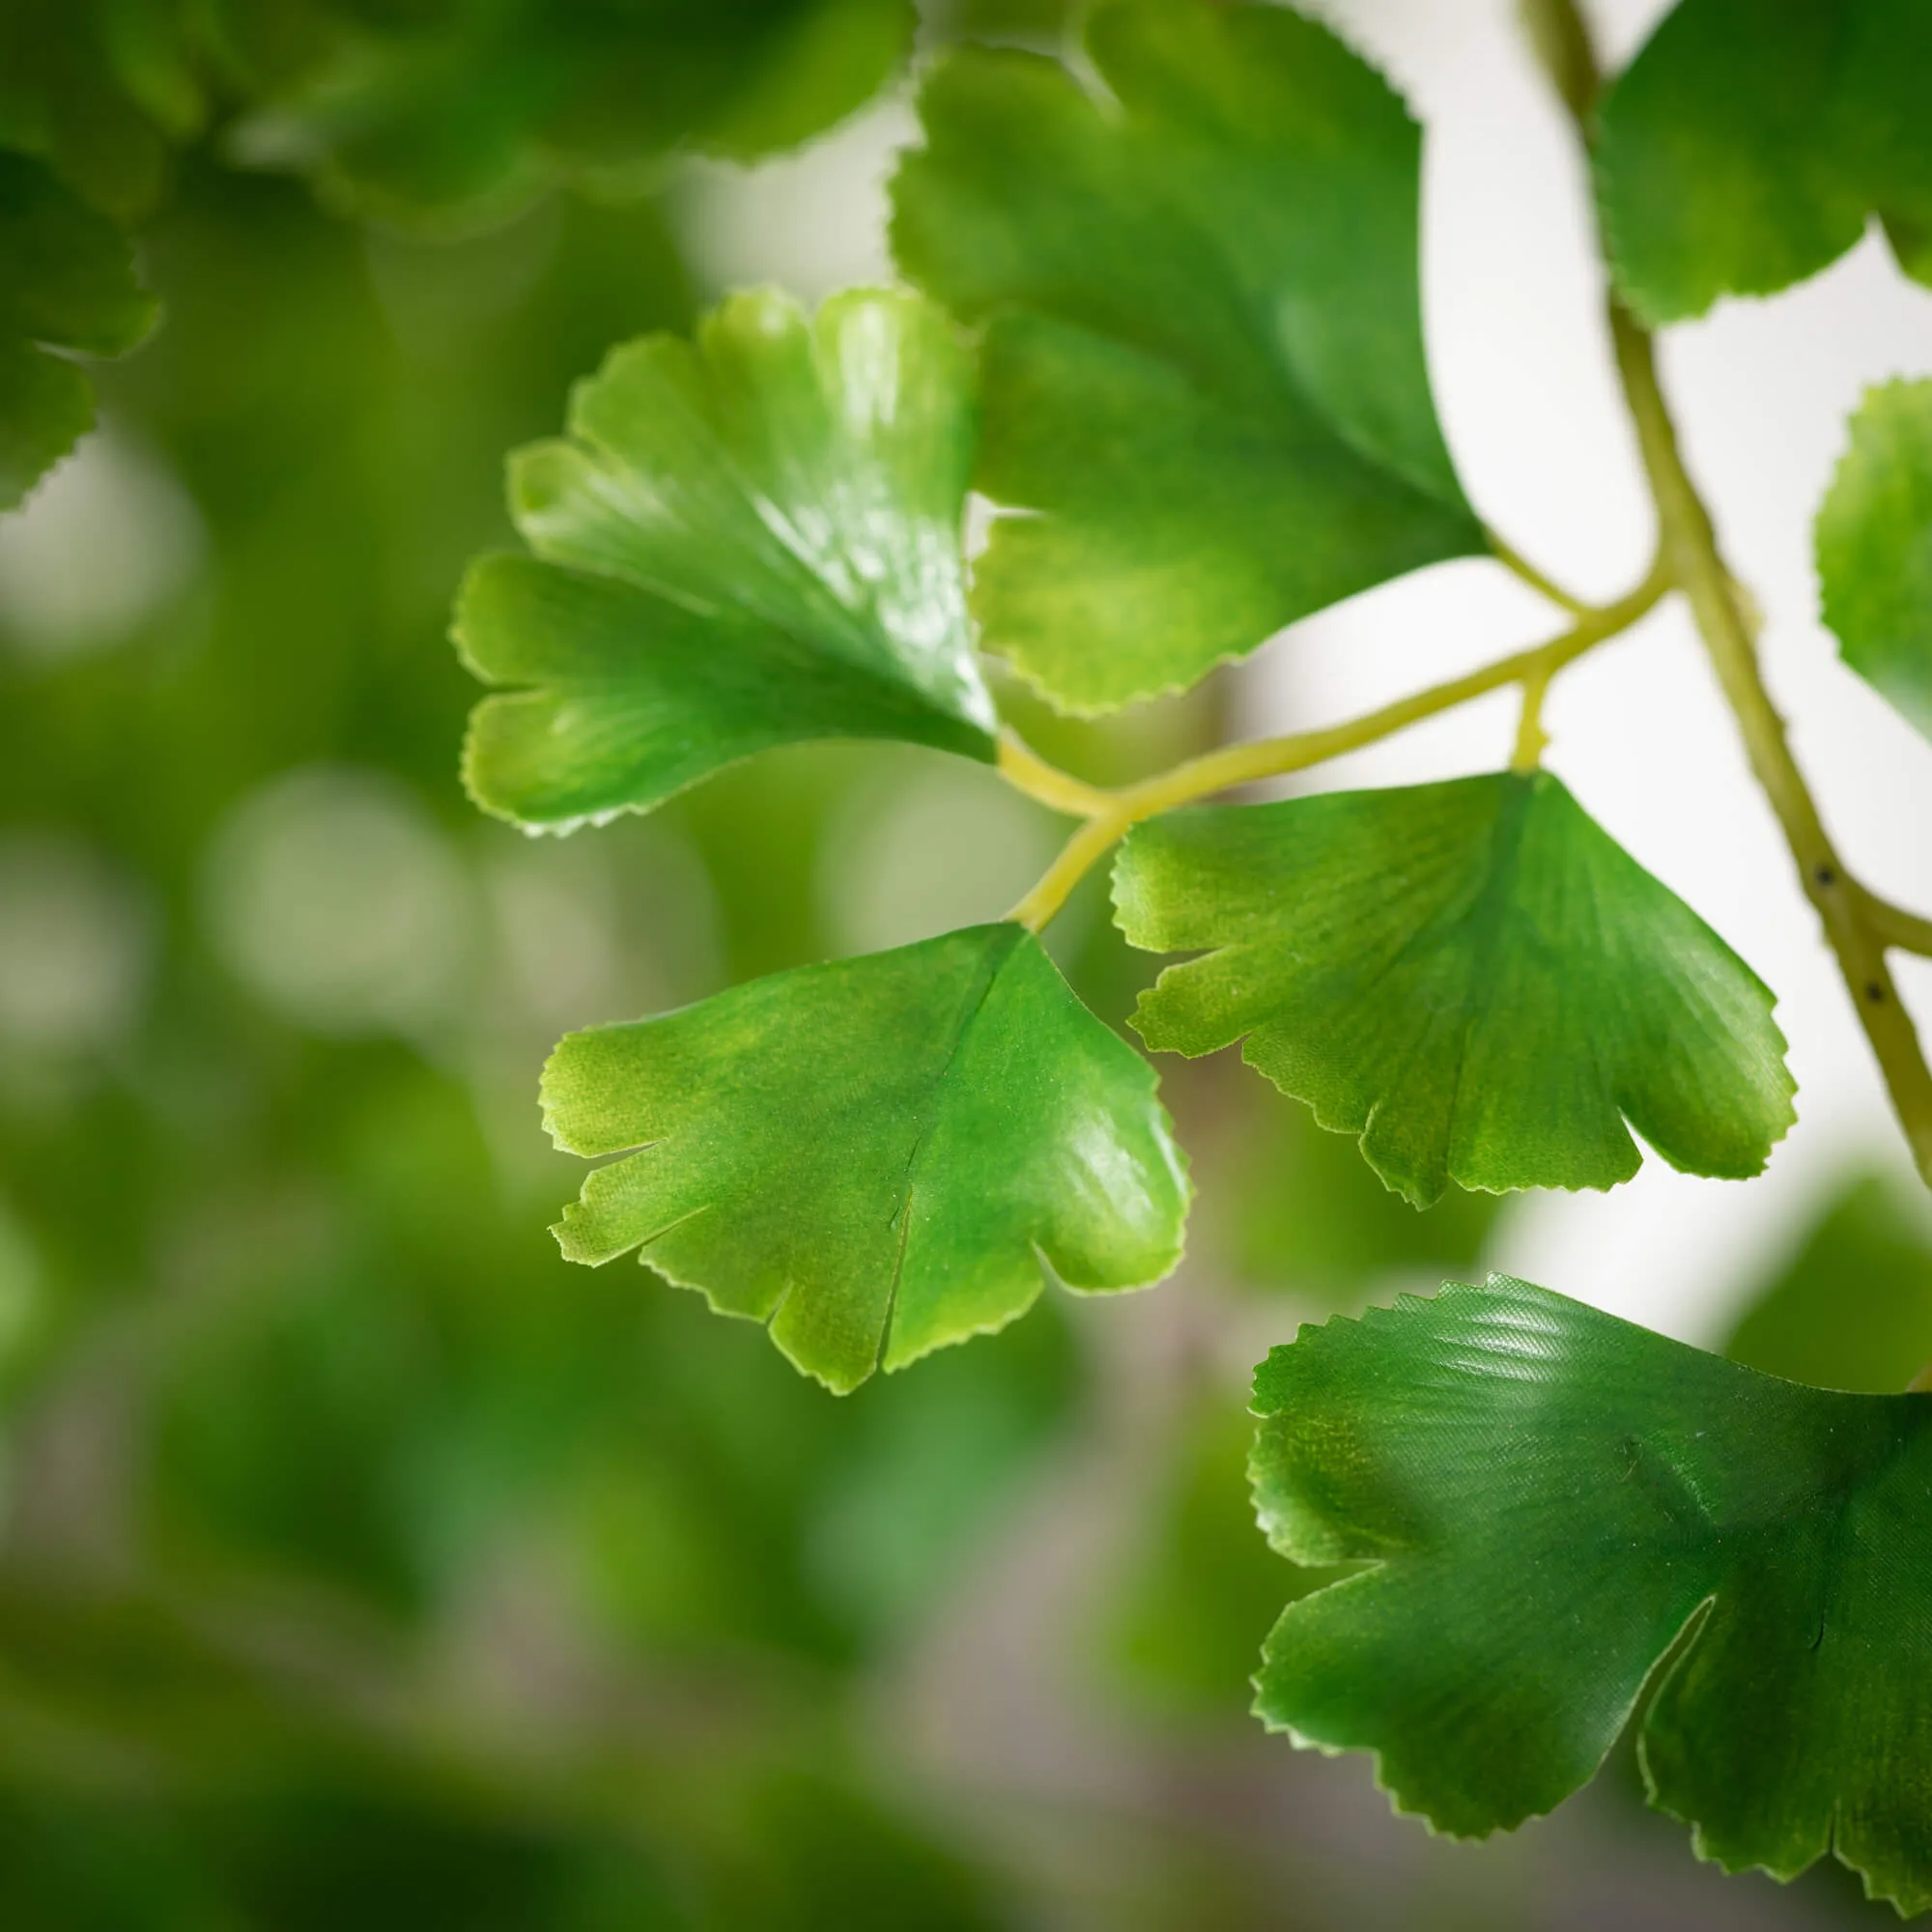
453 113
1853 1307
1472 978
745 545
1300 1210
1554 1502
1874 540
466 113
1204 367
1203 1589
67 283
877 1156
1750 140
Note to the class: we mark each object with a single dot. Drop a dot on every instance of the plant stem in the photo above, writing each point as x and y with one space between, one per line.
1726 621
1516 565
1114 813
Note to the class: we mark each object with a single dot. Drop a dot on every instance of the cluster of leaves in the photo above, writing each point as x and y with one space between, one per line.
451 114
1167 322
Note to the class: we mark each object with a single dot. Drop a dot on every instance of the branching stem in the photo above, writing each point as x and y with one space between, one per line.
1111 815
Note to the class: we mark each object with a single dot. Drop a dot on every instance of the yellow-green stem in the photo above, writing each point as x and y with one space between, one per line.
1115 814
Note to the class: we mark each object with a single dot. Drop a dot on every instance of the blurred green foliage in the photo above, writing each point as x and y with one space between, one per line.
1852 1308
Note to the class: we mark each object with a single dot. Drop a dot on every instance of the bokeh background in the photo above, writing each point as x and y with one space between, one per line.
361 1563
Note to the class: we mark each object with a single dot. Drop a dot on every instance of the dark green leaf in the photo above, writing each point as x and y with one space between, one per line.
1750 140
1875 548
1554 1501
747 544
1474 977
1853 1307
876 1157
67 283
1204 367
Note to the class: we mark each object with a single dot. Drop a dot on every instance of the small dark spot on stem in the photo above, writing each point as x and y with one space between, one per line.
1874 992
1826 876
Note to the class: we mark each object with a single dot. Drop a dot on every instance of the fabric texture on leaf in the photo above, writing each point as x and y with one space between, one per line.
877 1156
67 283
1751 141
1551 1499
1874 541
1474 977
750 543
1204 372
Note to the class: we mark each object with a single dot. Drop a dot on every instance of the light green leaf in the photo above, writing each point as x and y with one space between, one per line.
750 543
1874 541
874 1157
1751 141
1204 372
1554 1501
67 283
1472 977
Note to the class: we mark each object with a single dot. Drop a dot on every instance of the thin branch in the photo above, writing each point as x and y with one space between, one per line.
1272 757
1519 566
1906 931
1023 768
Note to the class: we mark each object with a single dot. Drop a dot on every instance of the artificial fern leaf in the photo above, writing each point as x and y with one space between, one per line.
1874 540
1551 1499
877 1156
1203 366
744 544
1750 140
67 282
1472 977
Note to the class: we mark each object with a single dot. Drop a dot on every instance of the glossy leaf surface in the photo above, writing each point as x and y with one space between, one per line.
877 1156
67 282
1204 367
1552 1500
1472 978
1750 140
744 544
1875 548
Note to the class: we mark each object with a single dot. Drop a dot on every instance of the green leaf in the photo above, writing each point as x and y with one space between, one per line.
750 543
1204 371
877 1156
1750 140
1471 977
1874 539
67 283
462 117
1852 1309
1555 1502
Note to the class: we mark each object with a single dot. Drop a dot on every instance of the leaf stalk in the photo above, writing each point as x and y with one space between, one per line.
1111 815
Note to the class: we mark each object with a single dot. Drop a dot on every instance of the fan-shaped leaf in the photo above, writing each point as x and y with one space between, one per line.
1750 140
877 1156
1552 1499
1472 977
1875 548
747 544
67 282
1204 368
